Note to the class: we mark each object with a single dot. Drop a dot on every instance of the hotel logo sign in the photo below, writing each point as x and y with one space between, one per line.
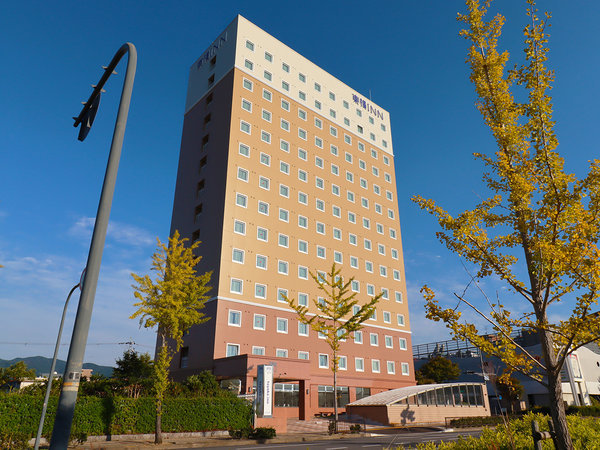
367 106
212 50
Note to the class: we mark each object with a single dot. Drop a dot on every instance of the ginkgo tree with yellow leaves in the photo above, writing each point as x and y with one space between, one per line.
171 302
335 316
538 220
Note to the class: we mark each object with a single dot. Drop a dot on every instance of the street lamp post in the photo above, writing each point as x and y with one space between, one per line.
68 394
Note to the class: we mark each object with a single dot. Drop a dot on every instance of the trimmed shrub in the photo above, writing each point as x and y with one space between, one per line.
96 416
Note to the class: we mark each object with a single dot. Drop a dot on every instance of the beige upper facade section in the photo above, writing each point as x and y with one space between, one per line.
255 52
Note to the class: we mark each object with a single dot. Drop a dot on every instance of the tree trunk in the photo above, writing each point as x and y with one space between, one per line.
557 411
335 398
158 432
557 405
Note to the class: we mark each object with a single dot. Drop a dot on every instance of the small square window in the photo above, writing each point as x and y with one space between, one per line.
335 190
343 363
302 222
352 239
350 196
249 45
267 95
235 318
319 183
402 344
285 105
337 257
236 286
336 211
332 96
245 127
302 329
394 253
265 137
400 319
261 262
320 228
318 105
233 350
283 240
369 266
259 322
302 246
303 272
320 252
282 295
391 367
249 65
334 150
387 318
351 217
268 76
247 84
302 77
260 291
241 200
285 86
337 234
282 267
239 227
284 145
302 299
332 113
282 325
347 139
385 294
246 105
263 208
237 256
268 57
303 198
285 67
284 215
242 174
355 286
284 167
285 125
301 133
398 297
374 339
370 290
320 204
405 368
301 95
358 335
264 183
359 364
262 234
323 361
266 115
302 114
284 191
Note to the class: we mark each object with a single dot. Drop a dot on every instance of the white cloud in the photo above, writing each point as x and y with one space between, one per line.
118 232
34 289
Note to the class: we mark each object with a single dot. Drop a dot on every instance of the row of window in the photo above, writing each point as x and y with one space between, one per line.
302 133
260 290
283 267
259 322
302 95
323 359
303 198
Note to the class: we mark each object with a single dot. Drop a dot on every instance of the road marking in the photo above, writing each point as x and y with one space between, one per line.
372 445
335 448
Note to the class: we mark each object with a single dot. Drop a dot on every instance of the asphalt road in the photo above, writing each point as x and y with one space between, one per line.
373 442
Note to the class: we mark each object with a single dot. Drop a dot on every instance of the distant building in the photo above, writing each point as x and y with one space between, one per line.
284 169
580 375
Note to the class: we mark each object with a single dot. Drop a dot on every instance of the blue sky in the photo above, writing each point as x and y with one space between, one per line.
406 54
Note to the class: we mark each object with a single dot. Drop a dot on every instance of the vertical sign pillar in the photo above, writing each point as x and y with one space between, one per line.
264 391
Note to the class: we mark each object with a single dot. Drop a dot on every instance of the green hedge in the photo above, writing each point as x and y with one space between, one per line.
115 415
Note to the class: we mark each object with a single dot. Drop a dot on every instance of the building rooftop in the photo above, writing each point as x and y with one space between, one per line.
396 395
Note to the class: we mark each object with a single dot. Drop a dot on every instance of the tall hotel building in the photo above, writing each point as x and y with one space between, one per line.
283 170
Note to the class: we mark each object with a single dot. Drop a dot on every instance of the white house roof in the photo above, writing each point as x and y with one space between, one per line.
395 395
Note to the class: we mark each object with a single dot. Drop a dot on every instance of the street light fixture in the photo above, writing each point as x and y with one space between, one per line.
68 394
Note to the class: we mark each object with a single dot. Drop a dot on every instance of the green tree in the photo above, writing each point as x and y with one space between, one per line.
134 371
538 221
17 372
437 370
336 316
204 384
172 302
510 388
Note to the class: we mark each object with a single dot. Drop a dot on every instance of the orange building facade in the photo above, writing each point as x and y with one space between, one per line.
284 170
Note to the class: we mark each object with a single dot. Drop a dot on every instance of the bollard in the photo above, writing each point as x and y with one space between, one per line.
539 436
